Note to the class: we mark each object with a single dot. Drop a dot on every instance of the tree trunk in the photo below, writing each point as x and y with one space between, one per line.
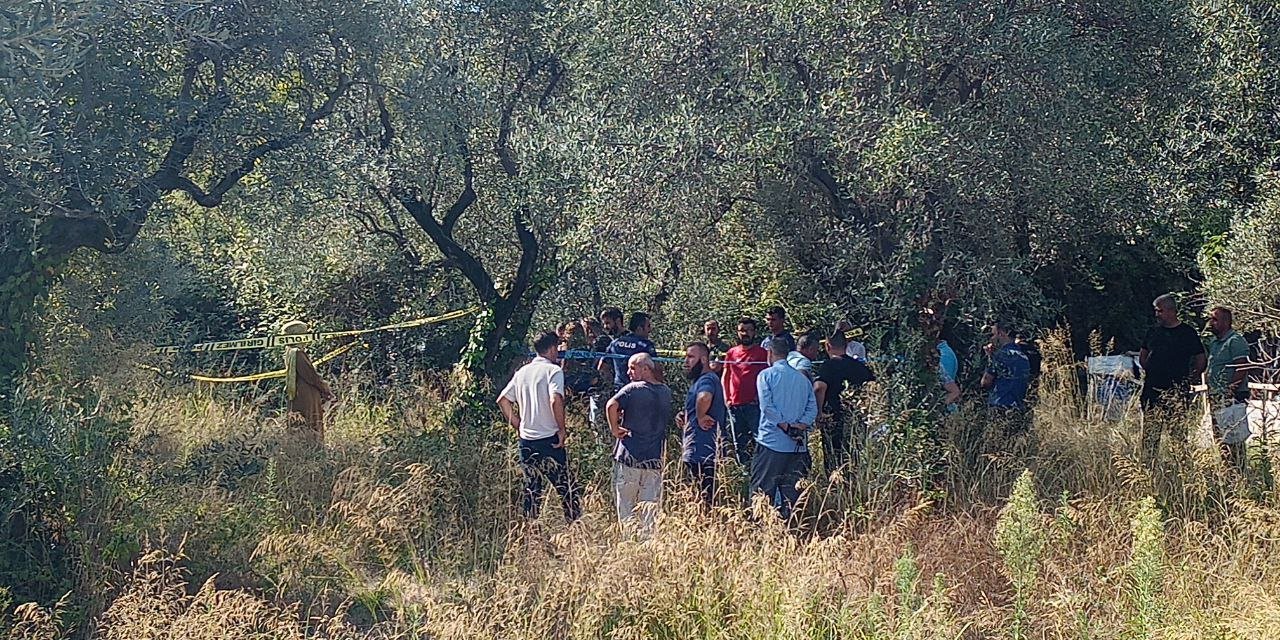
511 316
22 283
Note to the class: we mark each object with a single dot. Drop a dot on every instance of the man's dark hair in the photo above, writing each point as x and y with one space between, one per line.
776 311
611 312
545 341
807 341
1225 312
1002 324
837 342
637 320
706 351
750 321
781 346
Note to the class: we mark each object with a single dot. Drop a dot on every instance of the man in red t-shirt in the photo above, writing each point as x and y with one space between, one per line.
742 364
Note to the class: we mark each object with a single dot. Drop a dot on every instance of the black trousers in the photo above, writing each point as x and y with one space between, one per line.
542 462
1162 410
775 475
835 442
746 421
703 476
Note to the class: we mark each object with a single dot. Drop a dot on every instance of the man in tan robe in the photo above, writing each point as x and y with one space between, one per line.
305 391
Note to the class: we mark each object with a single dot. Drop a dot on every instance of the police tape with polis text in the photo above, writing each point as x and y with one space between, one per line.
268 342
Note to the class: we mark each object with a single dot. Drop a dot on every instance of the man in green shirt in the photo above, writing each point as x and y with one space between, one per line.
1228 355
1228 367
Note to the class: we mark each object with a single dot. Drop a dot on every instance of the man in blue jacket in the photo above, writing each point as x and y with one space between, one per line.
788 410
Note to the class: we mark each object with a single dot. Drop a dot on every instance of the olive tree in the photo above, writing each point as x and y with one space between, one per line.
115 109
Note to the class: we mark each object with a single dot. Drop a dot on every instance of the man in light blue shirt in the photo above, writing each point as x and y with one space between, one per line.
806 351
788 410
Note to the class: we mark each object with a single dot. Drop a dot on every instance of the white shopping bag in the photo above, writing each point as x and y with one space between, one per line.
1231 423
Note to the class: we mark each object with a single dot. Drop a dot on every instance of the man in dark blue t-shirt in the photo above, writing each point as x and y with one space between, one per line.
635 340
1008 373
702 420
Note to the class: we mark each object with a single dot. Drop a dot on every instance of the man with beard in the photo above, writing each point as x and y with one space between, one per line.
635 340
701 420
742 364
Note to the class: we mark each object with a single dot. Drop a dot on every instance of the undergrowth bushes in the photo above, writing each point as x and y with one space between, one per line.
210 518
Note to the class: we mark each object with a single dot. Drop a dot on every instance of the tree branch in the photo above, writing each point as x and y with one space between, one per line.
529 249
503 147
470 266
250 160
468 195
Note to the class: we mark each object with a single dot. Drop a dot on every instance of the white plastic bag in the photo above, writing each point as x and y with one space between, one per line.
1232 423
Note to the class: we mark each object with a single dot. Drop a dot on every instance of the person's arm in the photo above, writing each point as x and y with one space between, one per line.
724 377
768 411
1198 365
556 387
820 393
605 367
1239 371
810 414
307 373
557 410
509 412
702 407
1239 364
1144 355
613 413
953 391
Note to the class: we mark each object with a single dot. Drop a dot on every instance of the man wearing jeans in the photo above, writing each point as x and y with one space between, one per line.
788 410
533 403
638 417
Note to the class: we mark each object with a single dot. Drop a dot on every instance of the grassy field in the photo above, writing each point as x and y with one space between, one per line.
217 522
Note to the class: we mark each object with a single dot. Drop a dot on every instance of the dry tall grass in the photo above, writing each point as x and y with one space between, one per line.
404 527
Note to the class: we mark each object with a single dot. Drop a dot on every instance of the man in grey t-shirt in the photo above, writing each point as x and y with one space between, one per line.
639 415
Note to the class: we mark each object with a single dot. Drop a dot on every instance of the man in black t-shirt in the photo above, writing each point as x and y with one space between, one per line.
611 321
838 373
1173 358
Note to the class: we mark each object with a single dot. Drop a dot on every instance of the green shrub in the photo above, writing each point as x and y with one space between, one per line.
1020 539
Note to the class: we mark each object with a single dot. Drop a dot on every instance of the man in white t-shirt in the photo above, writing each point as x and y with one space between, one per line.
533 403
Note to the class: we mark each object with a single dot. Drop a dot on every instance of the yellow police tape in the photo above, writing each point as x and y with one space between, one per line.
289 340
279 373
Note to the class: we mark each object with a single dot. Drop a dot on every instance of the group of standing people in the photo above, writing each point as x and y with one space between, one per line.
1175 361
758 401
